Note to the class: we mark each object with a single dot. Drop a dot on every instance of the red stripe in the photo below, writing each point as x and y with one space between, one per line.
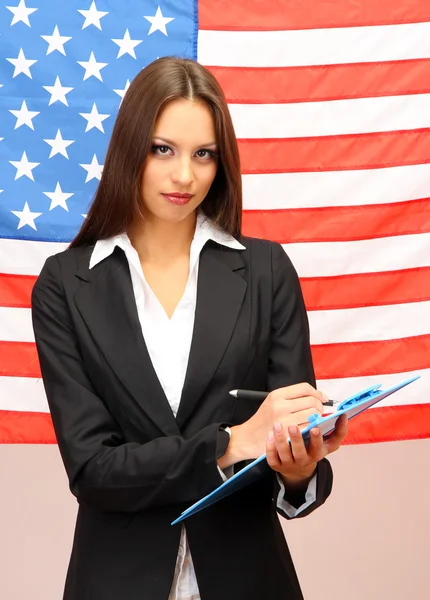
307 14
15 290
335 153
361 359
366 289
343 291
390 424
377 425
351 359
338 223
326 224
253 85
26 428
19 359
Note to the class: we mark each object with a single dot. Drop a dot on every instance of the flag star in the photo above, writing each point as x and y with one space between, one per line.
158 22
121 93
94 170
26 217
58 197
23 167
94 119
58 92
21 64
24 116
127 45
56 41
92 67
21 13
58 145
92 16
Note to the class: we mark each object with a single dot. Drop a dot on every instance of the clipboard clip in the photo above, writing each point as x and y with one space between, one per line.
367 394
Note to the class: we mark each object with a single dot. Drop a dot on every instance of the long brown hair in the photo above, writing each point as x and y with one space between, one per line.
117 202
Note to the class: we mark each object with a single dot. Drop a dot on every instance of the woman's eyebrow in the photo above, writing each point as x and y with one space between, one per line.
167 141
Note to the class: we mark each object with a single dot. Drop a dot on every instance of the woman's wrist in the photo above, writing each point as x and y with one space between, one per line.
238 448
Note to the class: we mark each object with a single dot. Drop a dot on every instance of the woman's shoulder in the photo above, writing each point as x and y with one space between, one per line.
254 244
261 247
268 254
60 265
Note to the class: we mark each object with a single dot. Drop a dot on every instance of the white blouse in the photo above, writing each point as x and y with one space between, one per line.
168 342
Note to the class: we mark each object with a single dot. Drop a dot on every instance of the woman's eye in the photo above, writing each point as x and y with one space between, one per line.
205 154
161 150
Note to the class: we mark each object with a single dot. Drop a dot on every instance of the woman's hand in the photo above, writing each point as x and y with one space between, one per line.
295 462
289 406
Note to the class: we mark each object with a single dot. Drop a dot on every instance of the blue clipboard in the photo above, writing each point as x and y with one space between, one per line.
352 407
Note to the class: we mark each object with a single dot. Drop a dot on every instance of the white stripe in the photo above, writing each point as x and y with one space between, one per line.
327 326
334 117
364 256
415 393
314 46
28 394
15 325
271 192
335 188
370 323
24 257
23 394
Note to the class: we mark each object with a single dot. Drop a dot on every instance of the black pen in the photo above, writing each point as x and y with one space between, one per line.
255 395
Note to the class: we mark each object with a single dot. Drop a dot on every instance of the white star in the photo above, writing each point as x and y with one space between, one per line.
58 145
20 13
58 197
158 23
92 67
58 92
24 116
94 119
21 64
56 41
26 217
121 93
23 167
127 45
94 170
92 16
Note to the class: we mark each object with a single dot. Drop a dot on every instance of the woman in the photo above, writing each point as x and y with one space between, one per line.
158 309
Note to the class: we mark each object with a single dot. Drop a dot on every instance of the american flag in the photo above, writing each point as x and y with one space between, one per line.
330 102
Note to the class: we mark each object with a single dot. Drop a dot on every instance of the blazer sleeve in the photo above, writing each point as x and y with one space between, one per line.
104 470
290 358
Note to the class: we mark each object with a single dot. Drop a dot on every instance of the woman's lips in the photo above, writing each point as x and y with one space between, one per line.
178 199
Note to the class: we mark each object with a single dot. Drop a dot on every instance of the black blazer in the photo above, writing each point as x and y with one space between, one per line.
132 466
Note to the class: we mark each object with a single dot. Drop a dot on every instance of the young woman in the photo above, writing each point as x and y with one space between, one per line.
157 309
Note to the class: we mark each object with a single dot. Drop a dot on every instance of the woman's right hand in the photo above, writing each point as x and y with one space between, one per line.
291 405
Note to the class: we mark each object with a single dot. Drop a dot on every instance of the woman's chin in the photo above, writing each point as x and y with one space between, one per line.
172 213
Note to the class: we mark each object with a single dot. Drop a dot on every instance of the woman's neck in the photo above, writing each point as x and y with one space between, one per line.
161 241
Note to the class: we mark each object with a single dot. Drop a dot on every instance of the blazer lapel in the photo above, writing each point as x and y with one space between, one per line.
220 293
108 307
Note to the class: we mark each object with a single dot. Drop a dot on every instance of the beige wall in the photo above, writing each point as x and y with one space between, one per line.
377 549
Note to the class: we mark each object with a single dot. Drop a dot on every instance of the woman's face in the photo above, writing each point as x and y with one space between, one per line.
183 161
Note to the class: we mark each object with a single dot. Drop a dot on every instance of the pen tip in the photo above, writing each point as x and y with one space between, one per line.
233 393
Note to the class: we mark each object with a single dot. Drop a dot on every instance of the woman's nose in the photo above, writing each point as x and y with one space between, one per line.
183 173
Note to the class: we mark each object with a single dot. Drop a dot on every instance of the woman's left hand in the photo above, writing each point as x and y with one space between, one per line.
296 463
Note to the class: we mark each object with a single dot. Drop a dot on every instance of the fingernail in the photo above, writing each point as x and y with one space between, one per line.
325 398
277 427
293 430
315 431
270 437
